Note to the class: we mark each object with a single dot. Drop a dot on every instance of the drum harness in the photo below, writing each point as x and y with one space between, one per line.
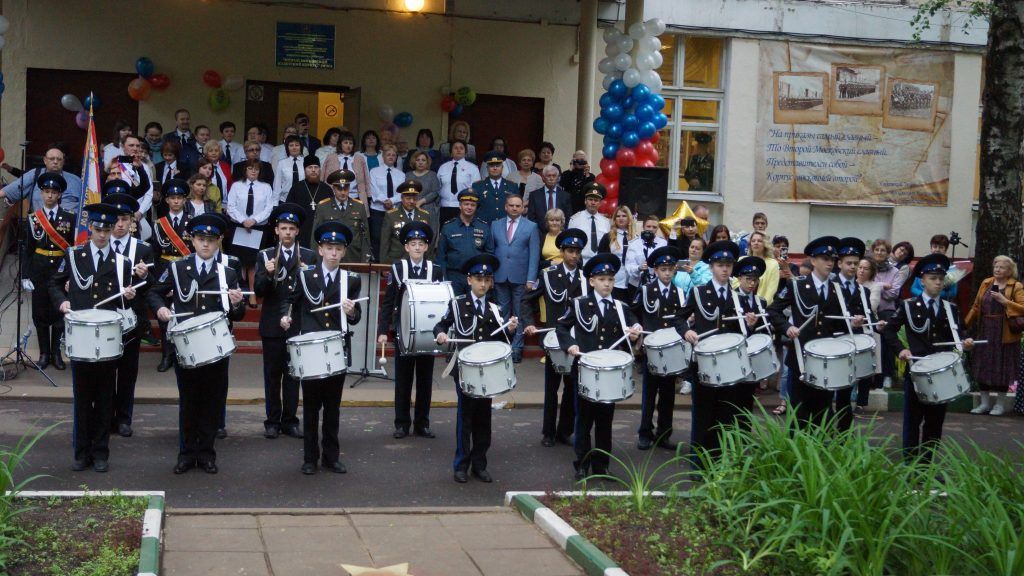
592 324
342 294
559 297
842 306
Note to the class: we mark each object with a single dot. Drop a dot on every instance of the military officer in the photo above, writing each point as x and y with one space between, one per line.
461 239
50 231
171 244
700 170
493 189
391 245
347 210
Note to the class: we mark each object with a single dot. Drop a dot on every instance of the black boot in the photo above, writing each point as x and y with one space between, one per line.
166 363
43 335
56 332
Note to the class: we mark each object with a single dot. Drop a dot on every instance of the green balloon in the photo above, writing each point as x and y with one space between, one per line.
465 96
219 100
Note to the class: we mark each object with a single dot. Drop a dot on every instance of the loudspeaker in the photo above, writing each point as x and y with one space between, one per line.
644 190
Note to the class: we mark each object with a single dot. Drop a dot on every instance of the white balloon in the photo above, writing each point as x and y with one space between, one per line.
612 49
636 31
657 59
3 42
385 113
4 24
607 82
623 62
650 44
631 77
606 65
644 61
610 34
624 43
652 79
654 27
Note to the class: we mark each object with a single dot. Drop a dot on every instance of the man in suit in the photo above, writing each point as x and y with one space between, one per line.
343 208
493 190
517 247
231 151
391 245
182 134
551 196
309 141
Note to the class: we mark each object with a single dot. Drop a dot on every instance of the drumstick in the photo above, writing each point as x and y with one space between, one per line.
708 333
118 295
338 305
742 317
543 330
806 322
383 360
916 358
182 314
502 327
461 341
957 343
211 292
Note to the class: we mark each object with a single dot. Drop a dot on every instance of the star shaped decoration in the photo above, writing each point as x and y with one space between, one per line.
396 570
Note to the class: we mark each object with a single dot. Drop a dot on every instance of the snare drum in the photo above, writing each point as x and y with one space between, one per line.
939 378
828 363
202 340
606 376
761 351
423 305
93 335
316 355
864 357
667 353
486 370
722 360
560 360
128 319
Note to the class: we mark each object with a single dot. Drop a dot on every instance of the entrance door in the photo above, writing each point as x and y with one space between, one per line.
520 121
275 104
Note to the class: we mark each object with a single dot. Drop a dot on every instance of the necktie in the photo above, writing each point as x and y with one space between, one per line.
174 222
935 309
664 293
455 176
167 173
607 307
391 185
202 270
295 169
410 216
572 278
551 199
480 307
823 293
721 294
51 216
511 229
624 246
227 152
117 246
345 165
99 259
287 257
250 203
416 271
593 233
329 283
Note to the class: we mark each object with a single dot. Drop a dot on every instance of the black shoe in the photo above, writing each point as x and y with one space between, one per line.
58 362
100 466
271 431
580 475
43 362
184 466
517 358
293 431
336 467
461 477
124 430
309 468
425 433
166 363
482 475
222 433
563 439
644 444
400 433
548 441
666 444
79 465
208 467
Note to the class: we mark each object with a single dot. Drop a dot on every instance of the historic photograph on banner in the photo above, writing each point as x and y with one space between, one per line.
801 98
853 125
857 90
910 105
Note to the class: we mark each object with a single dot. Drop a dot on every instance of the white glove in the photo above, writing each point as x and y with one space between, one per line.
27 285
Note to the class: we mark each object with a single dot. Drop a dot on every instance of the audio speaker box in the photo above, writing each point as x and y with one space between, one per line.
644 190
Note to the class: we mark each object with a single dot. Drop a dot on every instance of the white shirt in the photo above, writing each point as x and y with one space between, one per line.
379 186
266 153
110 153
465 176
263 201
717 288
278 153
601 305
636 255
170 170
125 241
172 215
200 208
819 283
237 152
330 275
96 251
283 176
209 264
477 303
582 221
847 283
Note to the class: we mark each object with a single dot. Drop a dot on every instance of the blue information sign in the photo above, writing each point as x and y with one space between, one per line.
305 45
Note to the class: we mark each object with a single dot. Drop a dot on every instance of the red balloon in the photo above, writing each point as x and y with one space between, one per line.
608 206
613 191
448 103
625 157
212 79
610 168
656 137
646 163
603 179
644 149
160 81
2 155
138 89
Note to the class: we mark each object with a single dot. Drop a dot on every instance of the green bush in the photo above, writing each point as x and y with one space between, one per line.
10 460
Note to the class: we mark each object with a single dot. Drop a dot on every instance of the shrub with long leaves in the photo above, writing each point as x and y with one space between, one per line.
10 460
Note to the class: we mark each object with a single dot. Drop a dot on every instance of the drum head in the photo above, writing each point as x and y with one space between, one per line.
93 315
201 320
551 341
830 347
484 352
860 341
718 342
662 337
315 336
606 358
758 342
934 362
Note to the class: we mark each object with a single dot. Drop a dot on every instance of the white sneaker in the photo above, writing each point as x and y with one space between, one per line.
997 409
887 382
983 407
687 387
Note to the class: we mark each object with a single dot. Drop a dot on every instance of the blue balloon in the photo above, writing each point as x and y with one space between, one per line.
630 122
609 151
660 120
656 101
601 125
614 131
91 101
606 100
2 88
457 111
618 89
144 66
640 92
608 139
645 112
628 102
646 130
403 120
630 139
612 113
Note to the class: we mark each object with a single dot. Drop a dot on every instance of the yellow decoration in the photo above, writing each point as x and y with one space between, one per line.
396 570
670 224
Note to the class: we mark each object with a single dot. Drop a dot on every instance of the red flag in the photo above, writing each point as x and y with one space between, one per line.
91 191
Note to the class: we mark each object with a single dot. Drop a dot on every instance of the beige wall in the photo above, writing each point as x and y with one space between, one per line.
398 59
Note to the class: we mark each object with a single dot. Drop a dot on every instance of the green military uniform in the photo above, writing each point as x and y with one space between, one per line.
352 215
391 245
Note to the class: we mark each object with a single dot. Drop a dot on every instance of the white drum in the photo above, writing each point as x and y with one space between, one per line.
667 353
202 339
939 378
423 305
316 355
828 363
864 357
560 360
128 319
606 376
761 351
722 360
93 335
486 369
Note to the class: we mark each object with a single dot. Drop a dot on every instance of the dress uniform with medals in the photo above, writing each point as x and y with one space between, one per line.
492 191
321 285
473 317
92 272
409 366
595 322
171 244
348 211
558 285
50 232
281 391
395 220
135 251
856 298
460 241
659 305
201 390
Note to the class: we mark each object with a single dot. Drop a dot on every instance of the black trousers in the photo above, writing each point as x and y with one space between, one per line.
922 423
124 382
659 392
407 367
322 394
376 223
598 417
201 407
864 386
93 392
559 418
145 328
280 390
472 431
714 407
165 342
812 404
48 323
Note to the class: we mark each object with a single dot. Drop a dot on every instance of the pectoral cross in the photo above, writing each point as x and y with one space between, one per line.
312 205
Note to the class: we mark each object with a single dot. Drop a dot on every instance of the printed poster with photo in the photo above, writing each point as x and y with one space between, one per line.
853 125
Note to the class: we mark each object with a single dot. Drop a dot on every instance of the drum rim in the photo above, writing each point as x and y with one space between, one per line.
867 339
959 360
658 345
809 352
741 342
544 341
70 317
192 327
331 335
487 362
767 346
584 364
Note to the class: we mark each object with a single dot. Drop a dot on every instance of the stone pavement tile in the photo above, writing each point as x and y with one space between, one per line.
546 562
432 564
326 562
504 537
220 564
497 518
279 520
211 520
406 539
311 539
360 520
181 539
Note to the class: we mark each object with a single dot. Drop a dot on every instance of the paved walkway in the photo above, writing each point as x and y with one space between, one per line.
474 542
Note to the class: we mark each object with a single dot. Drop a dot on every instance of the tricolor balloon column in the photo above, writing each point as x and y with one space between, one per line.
631 107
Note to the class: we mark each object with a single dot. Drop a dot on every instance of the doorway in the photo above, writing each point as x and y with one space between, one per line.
275 104
519 120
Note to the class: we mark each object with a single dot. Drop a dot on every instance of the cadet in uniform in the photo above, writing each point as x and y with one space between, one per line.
92 273
463 238
322 285
856 299
277 271
416 236
493 190
172 243
558 285
474 318
50 231
201 389
391 244
350 212
748 271
595 322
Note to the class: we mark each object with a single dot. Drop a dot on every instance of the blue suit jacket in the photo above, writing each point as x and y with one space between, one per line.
492 201
520 258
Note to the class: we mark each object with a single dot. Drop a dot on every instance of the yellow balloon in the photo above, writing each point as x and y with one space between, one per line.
670 224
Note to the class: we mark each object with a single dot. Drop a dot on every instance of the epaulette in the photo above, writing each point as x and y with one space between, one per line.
552 268
460 297
144 243
232 258
392 210
309 268
324 201
423 211
801 278
356 200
